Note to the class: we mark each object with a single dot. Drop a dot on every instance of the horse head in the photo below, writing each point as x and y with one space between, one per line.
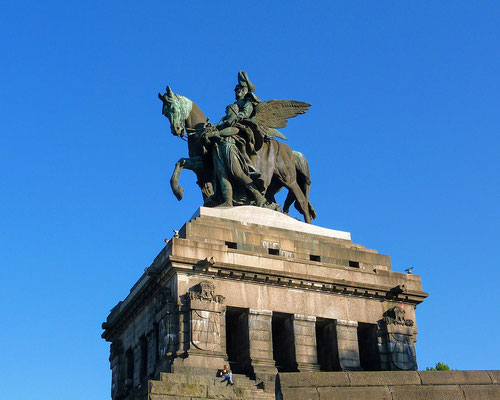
177 109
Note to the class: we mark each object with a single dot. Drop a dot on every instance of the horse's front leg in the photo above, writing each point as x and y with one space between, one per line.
192 163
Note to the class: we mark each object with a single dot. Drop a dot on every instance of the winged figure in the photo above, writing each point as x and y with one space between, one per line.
274 114
237 162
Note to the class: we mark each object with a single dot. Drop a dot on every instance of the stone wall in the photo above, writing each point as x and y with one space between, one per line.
200 387
390 385
264 293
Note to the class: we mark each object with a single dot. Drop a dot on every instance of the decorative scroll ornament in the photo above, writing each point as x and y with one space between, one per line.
396 316
205 291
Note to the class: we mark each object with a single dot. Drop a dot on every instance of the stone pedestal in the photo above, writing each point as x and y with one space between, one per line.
276 286
348 348
261 341
304 329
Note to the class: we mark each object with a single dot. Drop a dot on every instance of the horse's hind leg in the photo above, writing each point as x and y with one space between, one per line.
301 203
290 198
312 211
306 187
271 191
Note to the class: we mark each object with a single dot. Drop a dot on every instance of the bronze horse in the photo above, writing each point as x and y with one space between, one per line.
278 165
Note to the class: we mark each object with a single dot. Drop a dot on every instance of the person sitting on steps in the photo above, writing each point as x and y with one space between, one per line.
227 375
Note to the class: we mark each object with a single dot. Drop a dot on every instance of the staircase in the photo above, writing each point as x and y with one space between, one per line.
196 387
250 387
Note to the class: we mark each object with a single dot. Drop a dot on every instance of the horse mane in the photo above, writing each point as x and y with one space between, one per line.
196 114
185 105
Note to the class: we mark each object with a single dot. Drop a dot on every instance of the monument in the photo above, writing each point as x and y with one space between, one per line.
290 306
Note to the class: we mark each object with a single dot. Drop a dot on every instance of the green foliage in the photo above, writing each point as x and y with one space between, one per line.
439 367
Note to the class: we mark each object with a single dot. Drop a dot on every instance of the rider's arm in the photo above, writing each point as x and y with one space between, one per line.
230 131
228 120
245 110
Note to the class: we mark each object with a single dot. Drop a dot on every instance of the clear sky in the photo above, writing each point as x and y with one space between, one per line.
402 140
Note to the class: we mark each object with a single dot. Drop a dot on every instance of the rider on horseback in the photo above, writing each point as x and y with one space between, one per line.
241 142
233 144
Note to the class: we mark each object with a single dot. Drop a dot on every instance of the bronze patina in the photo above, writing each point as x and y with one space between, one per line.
238 161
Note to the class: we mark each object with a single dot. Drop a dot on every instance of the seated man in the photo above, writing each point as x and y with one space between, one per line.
227 375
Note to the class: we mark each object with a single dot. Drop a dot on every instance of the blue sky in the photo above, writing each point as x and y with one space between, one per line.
402 140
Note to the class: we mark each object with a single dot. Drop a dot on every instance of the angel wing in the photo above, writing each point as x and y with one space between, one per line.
273 114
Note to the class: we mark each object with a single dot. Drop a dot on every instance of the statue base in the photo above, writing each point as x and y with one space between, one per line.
264 293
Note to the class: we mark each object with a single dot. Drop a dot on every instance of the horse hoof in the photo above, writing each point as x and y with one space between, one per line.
179 193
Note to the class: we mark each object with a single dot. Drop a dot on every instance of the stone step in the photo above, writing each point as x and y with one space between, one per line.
252 392
181 384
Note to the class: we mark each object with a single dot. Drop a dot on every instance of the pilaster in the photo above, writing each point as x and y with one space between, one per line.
347 338
261 341
152 351
137 364
304 328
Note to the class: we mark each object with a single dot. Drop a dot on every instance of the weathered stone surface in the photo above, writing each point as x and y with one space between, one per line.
177 389
455 377
481 392
420 392
391 385
304 379
354 393
494 376
263 273
382 378
300 393
205 387
187 379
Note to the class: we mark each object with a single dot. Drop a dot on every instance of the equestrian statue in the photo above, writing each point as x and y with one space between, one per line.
238 161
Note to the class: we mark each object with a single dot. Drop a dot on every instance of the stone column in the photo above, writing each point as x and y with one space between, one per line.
306 351
152 351
137 364
261 341
347 338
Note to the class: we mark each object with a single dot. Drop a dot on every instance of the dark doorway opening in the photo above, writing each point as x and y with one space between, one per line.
237 341
368 349
328 350
283 342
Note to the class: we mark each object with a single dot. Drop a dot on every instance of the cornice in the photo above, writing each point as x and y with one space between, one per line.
159 275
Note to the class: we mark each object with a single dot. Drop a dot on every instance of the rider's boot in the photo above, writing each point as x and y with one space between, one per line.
227 194
260 200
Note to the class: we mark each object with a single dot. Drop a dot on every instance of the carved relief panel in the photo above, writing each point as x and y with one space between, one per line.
399 340
206 317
